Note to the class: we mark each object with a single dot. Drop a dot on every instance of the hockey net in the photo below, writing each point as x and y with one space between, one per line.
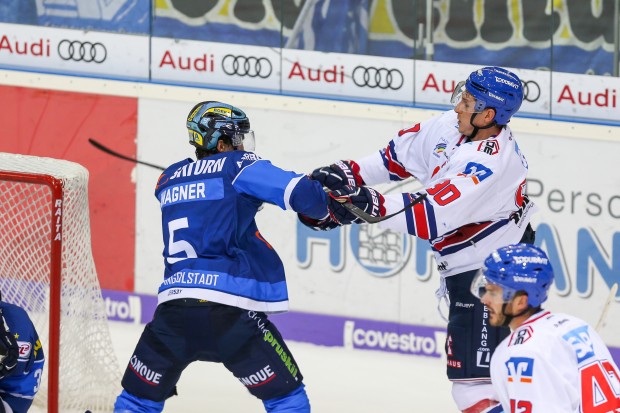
46 267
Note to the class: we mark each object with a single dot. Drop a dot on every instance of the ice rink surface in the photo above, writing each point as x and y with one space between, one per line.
338 380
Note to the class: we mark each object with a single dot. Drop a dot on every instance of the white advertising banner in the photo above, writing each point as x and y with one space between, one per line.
365 272
435 82
219 64
338 74
585 96
290 71
74 51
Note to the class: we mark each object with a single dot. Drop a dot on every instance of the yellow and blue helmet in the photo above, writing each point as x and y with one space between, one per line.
210 121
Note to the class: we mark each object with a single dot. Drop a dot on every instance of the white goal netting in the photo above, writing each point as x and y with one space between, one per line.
30 222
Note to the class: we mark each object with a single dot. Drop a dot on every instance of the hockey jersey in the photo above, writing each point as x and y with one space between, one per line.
213 249
476 200
555 363
25 379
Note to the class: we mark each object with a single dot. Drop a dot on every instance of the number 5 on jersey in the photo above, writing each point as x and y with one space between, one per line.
175 247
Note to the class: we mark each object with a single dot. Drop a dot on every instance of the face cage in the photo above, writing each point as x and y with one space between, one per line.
478 289
457 98
245 141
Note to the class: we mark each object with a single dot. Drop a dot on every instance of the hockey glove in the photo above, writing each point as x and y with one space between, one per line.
324 224
363 197
9 351
337 175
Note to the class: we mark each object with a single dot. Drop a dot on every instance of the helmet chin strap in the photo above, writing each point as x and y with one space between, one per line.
509 317
477 128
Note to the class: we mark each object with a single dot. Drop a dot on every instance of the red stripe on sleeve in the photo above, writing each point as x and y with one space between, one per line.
421 223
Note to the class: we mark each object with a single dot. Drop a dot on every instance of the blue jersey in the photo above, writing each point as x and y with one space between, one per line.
213 249
24 380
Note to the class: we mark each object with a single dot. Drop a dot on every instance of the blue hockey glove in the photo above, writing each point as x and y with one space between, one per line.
324 224
9 351
338 175
363 197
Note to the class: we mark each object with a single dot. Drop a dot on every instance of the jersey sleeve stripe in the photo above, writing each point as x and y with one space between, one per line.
419 213
289 190
395 168
409 215
420 219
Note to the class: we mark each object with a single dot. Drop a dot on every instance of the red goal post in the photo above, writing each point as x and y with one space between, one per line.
46 267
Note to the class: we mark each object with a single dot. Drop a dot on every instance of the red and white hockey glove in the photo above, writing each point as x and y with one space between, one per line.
338 175
363 197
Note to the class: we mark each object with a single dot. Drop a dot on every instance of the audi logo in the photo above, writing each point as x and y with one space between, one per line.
82 51
247 66
374 77
531 90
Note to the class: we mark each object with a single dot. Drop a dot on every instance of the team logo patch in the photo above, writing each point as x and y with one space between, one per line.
440 148
580 340
520 369
521 336
489 146
24 349
477 172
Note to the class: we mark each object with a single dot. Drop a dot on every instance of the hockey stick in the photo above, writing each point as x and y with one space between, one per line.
601 319
373 220
118 155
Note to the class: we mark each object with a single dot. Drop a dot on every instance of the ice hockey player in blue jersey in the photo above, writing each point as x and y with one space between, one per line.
221 276
22 360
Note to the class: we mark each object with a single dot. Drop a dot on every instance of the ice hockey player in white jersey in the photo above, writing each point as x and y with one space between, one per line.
474 176
551 362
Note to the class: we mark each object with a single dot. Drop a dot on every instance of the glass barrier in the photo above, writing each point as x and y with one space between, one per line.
392 51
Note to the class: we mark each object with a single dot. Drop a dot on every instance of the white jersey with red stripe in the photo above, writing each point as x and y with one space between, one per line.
475 200
555 363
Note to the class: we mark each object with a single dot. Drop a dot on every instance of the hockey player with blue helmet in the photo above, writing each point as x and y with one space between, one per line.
474 179
551 362
491 88
221 277
515 269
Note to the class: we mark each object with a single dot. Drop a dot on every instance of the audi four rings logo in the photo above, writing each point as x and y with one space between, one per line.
247 66
531 90
82 51
380 77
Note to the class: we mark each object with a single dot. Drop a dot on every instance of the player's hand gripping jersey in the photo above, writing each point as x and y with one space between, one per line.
551 363
213 249
476 190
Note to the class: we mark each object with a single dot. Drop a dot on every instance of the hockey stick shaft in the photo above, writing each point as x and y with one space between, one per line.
373 220
109 151
612 294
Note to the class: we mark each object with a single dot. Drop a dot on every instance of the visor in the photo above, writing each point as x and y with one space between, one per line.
471 105
479 289
244 141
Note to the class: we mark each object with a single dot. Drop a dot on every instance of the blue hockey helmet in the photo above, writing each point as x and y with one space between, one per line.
519 267
492 87
209 121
